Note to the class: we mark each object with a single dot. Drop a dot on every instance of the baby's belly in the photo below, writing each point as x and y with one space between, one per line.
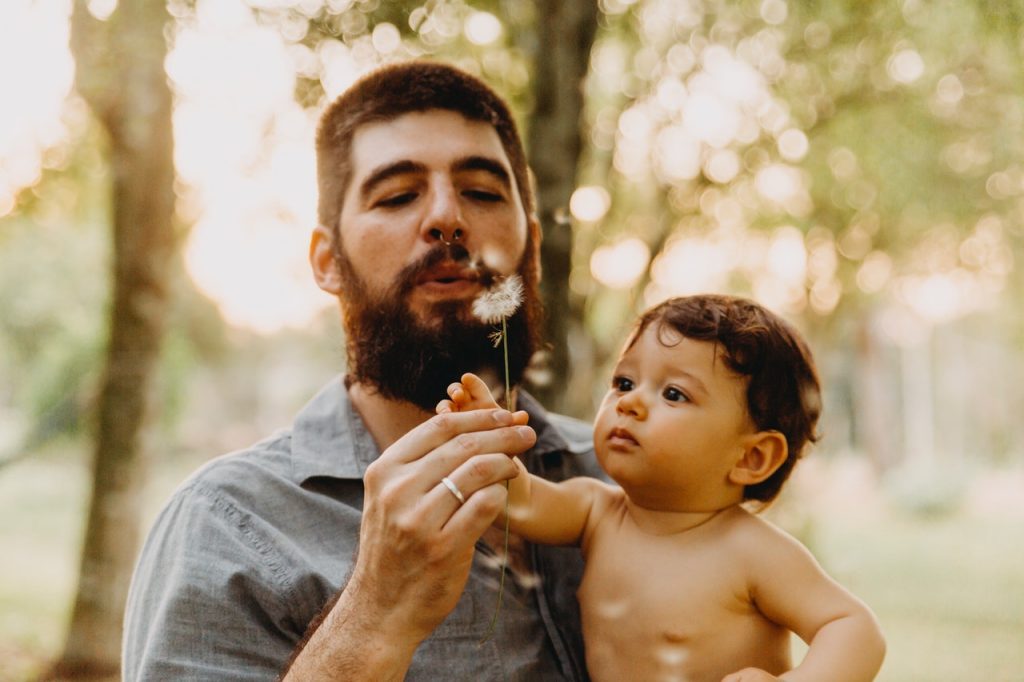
676 637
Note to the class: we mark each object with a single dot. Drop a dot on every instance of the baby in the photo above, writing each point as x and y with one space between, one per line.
712 401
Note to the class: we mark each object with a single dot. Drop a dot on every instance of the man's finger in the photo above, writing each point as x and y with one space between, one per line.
441 502
468 523
443 428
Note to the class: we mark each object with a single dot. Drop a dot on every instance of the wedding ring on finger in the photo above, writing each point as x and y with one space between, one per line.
454 490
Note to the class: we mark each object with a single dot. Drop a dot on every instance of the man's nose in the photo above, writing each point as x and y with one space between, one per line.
443 221
631 404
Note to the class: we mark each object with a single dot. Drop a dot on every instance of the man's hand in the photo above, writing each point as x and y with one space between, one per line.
472 393
416 540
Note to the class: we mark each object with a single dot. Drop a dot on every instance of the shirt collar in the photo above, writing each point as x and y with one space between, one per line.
330 439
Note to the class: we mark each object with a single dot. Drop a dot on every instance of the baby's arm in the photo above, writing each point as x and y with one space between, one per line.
790 588
539 510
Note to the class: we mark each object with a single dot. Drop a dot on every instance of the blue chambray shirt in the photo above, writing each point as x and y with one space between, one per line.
251 547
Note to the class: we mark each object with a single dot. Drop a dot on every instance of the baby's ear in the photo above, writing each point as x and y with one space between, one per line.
764 452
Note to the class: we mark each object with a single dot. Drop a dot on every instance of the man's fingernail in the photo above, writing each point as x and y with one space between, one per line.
525 431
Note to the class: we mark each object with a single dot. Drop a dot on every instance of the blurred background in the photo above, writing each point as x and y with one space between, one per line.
856 166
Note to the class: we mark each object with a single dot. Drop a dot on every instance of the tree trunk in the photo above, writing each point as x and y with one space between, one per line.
565 36
120 73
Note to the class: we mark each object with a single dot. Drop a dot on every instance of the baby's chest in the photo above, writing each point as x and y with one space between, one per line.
663 582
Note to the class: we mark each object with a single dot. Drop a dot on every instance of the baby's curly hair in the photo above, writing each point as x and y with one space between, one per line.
783 392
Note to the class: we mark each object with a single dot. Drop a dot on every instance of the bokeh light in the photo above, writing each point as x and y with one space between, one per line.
906 66
36 80
483 28
589 203
621 265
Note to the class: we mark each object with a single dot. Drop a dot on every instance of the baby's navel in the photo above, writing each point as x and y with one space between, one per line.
675 636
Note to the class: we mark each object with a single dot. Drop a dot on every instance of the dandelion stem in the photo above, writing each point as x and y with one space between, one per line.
510 406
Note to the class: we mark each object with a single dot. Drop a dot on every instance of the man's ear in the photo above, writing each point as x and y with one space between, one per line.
536 235
323 262
764 452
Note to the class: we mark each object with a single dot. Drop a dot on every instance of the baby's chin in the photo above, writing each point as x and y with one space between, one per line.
617 469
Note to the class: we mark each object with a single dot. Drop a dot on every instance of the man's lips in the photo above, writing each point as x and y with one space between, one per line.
448 277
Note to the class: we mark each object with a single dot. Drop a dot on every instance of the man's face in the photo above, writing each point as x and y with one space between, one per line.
418 181
430 219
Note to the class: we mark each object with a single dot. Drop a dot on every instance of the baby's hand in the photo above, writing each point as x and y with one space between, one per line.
471 393
750 675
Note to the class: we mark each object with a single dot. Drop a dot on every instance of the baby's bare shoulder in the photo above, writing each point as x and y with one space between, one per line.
748 532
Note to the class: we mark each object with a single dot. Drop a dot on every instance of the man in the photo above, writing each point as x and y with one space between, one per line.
253 566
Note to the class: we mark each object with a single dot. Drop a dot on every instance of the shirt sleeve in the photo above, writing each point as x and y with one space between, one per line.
209 597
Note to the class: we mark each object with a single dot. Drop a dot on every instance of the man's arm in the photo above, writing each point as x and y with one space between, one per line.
790 588
416 544
211 596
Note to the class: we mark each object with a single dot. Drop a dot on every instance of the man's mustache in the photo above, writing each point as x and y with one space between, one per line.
440 253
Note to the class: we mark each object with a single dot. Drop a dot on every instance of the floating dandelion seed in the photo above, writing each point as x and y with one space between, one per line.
492 306
500 301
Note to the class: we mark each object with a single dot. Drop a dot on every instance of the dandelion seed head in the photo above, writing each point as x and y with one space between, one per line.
500 301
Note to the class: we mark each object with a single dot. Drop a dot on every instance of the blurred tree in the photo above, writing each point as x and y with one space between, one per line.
120 73
561 60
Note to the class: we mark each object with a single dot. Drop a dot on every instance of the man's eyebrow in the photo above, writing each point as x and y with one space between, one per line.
483 163
386 171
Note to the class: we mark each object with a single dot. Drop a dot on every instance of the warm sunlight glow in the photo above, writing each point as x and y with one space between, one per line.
936 297
245 150
874 273
787 256
35 81
338 68
101 9
691 266
620 266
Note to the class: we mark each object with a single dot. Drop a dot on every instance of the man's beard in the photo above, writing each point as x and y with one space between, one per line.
391 350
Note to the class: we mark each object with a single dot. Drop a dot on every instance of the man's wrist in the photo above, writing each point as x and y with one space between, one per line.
354 642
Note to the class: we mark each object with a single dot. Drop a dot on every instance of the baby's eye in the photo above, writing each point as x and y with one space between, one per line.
622 384
673 394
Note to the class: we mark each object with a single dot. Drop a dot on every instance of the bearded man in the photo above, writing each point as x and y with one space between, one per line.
358 545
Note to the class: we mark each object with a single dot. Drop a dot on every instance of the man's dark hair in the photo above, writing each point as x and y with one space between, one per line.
783 392
409 87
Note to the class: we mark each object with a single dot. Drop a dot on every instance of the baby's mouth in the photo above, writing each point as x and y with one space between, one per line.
622 437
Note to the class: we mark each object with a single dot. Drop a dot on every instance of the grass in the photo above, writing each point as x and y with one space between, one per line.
948 590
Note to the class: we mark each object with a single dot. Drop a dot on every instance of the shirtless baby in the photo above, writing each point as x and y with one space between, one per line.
712 401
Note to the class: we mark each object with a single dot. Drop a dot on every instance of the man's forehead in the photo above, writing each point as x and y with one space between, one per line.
435 134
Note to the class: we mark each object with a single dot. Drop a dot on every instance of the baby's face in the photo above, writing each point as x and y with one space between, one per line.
673 423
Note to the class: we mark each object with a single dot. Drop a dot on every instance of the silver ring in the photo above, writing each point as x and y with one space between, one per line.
453 489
